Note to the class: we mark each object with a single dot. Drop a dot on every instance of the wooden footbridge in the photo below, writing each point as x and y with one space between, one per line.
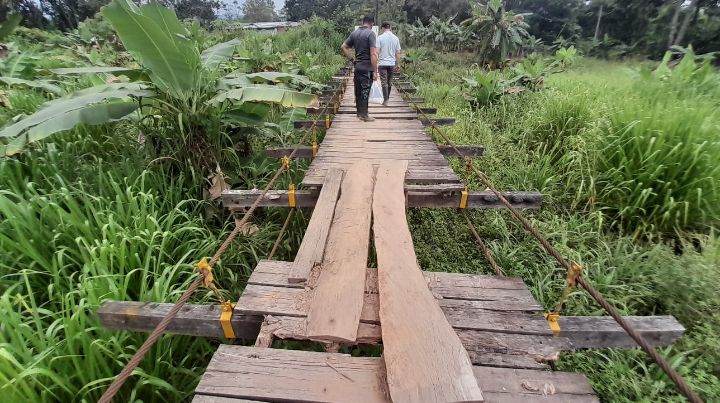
442 336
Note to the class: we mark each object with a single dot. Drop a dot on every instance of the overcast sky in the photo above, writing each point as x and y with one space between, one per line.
232 3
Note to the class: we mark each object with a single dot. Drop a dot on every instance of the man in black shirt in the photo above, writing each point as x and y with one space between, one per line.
366 64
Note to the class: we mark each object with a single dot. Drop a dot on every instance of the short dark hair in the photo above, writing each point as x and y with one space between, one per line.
385 25
368 19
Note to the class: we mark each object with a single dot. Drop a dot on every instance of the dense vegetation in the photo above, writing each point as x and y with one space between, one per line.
630 186
109 199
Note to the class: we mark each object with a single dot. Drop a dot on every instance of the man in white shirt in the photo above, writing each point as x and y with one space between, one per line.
389 59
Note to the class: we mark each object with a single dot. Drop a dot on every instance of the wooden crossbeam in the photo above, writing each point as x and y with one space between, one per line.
437 121
204 321
237 199
446 150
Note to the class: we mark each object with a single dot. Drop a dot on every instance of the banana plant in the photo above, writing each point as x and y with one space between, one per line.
500 32
184 102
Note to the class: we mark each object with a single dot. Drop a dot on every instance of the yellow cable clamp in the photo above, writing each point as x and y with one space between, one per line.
463 198
206 270
335 108
553 320
225 317
314 149
291 195
327 121
285 161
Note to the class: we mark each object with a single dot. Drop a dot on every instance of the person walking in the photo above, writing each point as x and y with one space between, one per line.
388 60
363 40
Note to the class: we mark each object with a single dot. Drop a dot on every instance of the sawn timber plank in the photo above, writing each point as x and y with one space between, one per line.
313 243
337 299
424 358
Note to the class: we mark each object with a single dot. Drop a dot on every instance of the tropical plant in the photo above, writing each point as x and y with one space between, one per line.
186 106
499 32
481 88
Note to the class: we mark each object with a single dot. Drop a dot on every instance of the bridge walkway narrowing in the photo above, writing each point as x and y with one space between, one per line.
395 134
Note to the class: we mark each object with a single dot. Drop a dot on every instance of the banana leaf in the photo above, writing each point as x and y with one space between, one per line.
90 115
247 114
213 56
153 35
269 94
68 71
52 110
40 84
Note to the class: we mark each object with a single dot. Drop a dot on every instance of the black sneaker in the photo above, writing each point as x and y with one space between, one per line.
366 118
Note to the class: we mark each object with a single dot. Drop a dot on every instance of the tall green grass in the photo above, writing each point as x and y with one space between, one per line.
592 142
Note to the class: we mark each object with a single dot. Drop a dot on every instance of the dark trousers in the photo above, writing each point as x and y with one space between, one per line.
363 83
386 76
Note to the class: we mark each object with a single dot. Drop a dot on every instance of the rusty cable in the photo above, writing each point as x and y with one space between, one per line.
483 247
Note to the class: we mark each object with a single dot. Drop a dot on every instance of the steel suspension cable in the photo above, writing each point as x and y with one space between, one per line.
677 379
126 372
483 247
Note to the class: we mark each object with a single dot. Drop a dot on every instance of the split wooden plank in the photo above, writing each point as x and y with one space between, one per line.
425 360
337 299
312 247
288 375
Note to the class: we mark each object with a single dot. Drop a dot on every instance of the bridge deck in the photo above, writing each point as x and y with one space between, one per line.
395 134
495 319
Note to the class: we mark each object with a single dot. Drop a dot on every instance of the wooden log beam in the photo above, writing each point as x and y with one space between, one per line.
604 332
237 199
446 150
204 321
192 320
437 121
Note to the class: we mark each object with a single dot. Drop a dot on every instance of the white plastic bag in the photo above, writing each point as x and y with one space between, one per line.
376 95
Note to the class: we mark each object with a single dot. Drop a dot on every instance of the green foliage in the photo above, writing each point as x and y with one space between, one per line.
9 25
498 32
556 141
186 96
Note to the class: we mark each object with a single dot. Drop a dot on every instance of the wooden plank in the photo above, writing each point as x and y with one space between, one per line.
218 399
288 375
312 247
424 358
337 299
604 332
238 372
238 199
519 385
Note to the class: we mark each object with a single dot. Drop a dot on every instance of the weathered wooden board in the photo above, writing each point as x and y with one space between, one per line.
237 372
337 298
606 333
312 247
288 375
424 359
521 386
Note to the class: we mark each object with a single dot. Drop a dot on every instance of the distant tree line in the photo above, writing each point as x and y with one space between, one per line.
645 26
637 26
67 14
